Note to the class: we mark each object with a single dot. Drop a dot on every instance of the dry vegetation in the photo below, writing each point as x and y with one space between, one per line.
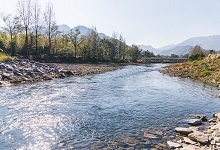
206 70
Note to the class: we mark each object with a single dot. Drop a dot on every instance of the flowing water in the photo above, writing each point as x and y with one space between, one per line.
135 107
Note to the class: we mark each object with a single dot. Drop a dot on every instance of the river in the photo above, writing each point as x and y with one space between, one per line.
117 109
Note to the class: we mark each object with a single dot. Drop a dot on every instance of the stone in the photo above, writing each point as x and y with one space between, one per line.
67 72
199 137
217 139
212 120
188 141
202 117
183 130
173 145
4 83
217 115
191 147
151 136
194 122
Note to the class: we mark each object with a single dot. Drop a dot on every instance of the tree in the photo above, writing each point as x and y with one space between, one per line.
12 27
134 53
50 25
196 53
94 43
36 23
75 40
147 54
25 14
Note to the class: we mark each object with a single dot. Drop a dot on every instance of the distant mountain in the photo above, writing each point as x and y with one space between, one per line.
167 47
64 29
83 30
178 50
149 48
207 42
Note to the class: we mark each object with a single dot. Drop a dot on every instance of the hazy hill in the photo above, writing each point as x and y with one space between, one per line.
149 48
83 30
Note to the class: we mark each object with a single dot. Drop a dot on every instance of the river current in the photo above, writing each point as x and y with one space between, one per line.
117 109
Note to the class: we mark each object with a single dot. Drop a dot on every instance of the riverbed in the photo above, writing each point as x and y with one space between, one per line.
135 107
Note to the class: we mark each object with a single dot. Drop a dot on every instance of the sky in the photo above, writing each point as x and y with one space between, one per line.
143 22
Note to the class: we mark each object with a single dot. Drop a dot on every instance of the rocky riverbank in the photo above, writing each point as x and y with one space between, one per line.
25 71
198 136
206 70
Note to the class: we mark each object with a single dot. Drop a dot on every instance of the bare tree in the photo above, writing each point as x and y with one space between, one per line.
12 27
36 22
50 24
25 14
75 40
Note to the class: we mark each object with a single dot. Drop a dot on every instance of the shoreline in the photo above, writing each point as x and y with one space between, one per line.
199 136
23 71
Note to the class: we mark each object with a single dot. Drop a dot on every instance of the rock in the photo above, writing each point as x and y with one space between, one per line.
191 147
213 120
183 130
4 83
217 115
202 117
17 73
188 141
7 76
199 137
151 136
173 145
217 139
67 72
194 122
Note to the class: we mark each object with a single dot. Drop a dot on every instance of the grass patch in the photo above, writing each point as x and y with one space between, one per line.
4 57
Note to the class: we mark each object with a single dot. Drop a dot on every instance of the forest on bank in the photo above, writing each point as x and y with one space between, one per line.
33 33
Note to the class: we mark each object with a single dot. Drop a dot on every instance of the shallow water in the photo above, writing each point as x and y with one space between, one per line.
117 109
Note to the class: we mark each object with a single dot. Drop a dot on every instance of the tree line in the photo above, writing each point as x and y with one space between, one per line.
33 33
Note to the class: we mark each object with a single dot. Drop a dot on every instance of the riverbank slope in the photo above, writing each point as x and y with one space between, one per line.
206 70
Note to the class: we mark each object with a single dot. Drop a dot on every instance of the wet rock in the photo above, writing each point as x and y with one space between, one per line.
173 145
194 122
183 130
202 117
199 137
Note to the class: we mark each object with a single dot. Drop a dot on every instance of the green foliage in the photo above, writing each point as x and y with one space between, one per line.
134 53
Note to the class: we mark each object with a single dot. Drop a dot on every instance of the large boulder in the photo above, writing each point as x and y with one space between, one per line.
183 130
199 137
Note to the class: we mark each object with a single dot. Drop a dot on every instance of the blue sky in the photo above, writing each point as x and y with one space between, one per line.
149 22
